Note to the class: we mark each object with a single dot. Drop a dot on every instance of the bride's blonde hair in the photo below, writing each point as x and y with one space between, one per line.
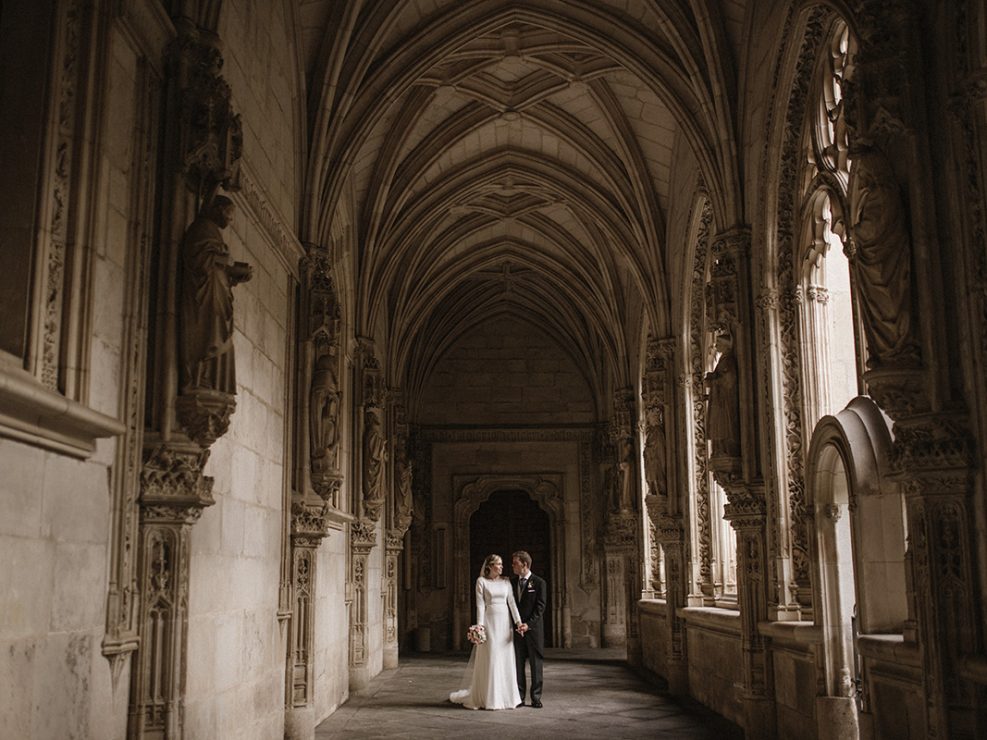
491 560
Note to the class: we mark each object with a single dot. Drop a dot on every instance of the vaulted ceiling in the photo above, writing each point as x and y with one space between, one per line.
514 156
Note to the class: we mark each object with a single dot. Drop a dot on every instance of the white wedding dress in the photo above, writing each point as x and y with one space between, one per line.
493 683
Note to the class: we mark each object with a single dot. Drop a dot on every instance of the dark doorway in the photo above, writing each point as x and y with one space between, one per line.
510 521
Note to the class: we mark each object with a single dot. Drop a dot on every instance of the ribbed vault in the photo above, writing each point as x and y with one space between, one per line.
514 157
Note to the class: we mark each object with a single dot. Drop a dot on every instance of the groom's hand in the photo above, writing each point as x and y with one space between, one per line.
522 628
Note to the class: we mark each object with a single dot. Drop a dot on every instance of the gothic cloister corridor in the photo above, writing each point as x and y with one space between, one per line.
310 307
591 694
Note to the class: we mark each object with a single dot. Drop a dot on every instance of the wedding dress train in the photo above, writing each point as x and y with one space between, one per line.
492 684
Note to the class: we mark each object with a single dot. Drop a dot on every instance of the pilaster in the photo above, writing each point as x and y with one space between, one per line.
191 390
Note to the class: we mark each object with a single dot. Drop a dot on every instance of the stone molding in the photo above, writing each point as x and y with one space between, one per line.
470 491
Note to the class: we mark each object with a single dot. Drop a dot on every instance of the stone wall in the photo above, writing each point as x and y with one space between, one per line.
53 544
506 372
236 670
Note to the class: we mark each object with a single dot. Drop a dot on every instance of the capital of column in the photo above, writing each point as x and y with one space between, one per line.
363 535
933 456
173 488
309 522
746 506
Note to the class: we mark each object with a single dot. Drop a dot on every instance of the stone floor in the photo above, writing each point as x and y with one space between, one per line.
588 694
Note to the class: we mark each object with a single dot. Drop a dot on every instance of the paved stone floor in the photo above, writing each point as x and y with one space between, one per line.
588 694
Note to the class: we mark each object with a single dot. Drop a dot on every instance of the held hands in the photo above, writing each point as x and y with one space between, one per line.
522 628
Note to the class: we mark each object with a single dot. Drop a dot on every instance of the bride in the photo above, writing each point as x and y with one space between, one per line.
492 683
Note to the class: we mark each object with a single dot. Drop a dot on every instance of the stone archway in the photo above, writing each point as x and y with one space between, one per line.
508 521
851 498
546 490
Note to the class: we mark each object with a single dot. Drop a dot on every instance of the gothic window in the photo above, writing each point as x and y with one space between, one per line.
724 554
713 539
833 361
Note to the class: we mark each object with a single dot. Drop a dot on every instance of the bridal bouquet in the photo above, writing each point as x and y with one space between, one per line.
477 634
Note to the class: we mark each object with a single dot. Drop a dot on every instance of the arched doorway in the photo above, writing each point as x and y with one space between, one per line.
510 521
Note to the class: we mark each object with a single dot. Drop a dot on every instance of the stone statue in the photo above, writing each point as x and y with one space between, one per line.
373 461
625 462
405 472
654 452
206 300
723 411
881 260
324 408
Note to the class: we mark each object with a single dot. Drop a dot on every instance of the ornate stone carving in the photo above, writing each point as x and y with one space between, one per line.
208 374
621 427
373 463
212 135
173 488
308 522
723 414
697 361
880 260
405 474
935 446
621 531
587 519
205 414
324 390
302 631
656 380
206 300
363 534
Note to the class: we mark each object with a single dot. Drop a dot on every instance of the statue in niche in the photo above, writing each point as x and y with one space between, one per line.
206 280
880 259
654 451
404 497
610 487
723 394
324 408
625 462
373 460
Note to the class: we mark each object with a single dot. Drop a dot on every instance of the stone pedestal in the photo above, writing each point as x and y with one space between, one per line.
299 723
836 717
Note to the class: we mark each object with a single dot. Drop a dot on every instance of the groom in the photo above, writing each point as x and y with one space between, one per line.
529 640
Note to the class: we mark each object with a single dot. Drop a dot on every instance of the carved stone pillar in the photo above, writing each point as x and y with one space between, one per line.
370 463
900 274
746 510
191 382
399 514
933 459
308 528
363 539
315 502
393 547
173 494
664 508
621 539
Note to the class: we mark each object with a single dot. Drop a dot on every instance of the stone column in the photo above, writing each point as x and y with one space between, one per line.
664 508
315 499
173 494
370 460
363 539
746 510
622 535
308 527
734 462
900 275
399 515
191 391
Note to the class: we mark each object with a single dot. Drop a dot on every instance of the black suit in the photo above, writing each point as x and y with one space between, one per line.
531 646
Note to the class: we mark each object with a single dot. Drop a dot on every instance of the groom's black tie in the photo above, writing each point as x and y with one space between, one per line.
520 586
